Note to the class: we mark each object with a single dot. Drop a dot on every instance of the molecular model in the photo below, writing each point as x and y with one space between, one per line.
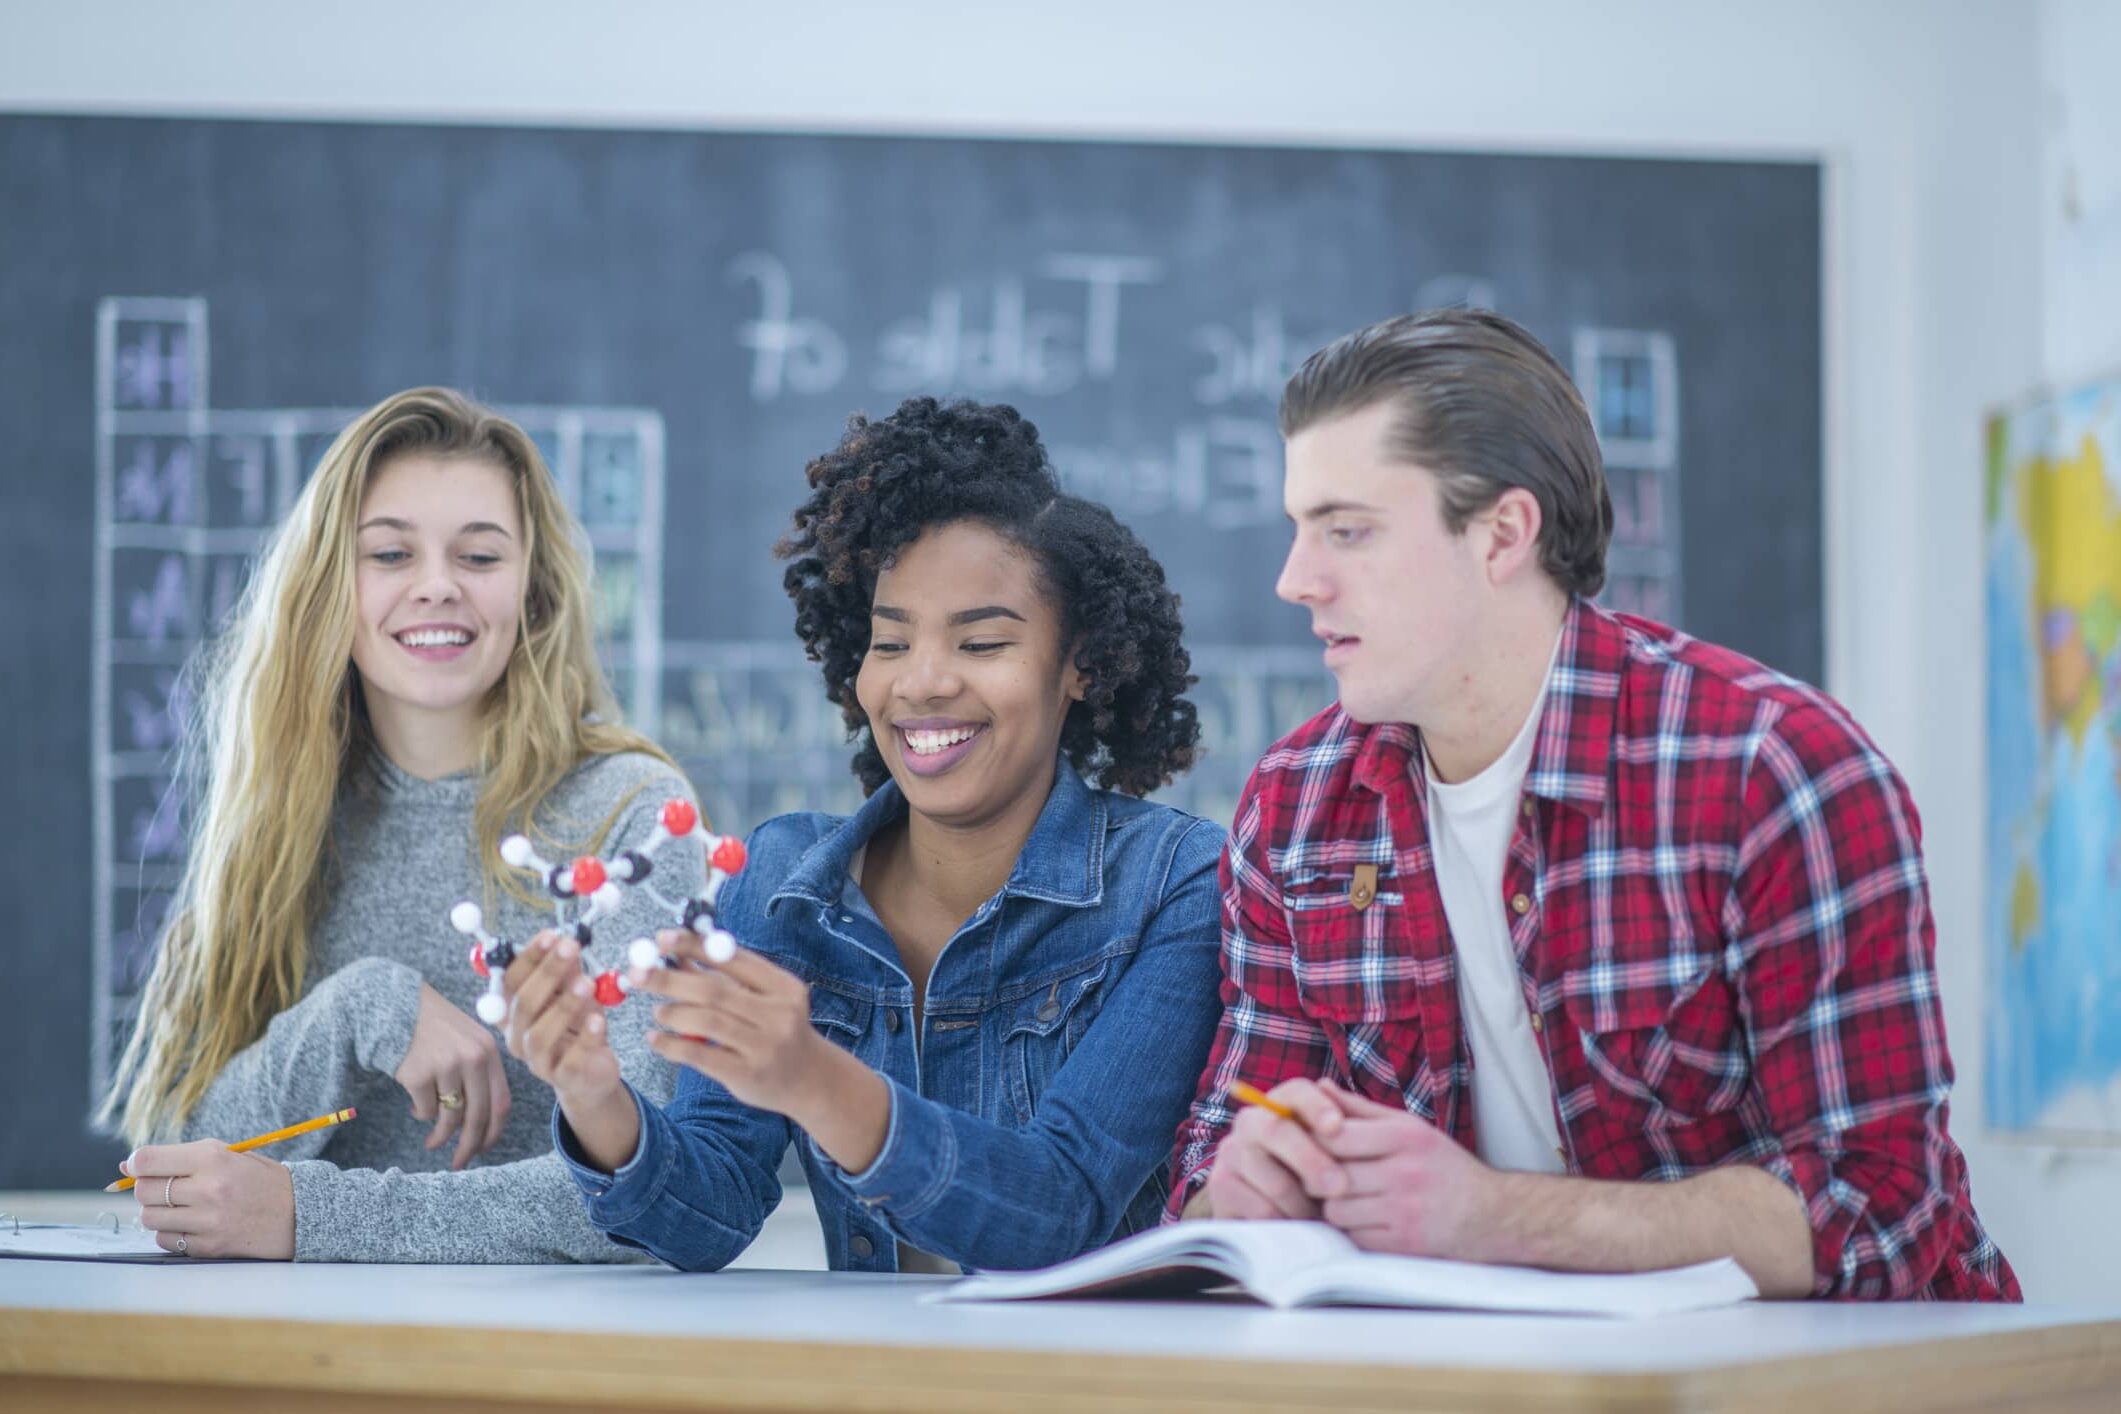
593 888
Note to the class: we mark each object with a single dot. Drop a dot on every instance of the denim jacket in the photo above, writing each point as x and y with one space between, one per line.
1066 1024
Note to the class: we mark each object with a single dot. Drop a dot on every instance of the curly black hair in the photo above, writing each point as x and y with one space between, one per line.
932 464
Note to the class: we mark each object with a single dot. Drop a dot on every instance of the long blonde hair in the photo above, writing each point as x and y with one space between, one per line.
283 723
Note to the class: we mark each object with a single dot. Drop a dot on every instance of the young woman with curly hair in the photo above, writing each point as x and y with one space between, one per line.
978 1003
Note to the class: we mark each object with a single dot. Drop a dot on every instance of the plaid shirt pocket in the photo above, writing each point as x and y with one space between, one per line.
1361 977
1351 964
1670 1054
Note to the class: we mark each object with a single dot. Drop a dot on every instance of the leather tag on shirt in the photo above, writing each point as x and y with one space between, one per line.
1363 888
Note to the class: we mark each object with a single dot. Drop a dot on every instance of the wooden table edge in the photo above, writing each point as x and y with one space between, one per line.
503 1367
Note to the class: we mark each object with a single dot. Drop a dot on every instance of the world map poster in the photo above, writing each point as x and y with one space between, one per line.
2054 765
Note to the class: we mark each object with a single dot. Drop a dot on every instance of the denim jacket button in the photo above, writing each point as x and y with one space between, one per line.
891 1021
1049 1010
862 1247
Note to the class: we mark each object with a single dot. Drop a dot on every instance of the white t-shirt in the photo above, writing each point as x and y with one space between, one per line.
1470 827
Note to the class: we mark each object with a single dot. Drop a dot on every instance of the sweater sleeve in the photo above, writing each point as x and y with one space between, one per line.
312 1055
527 1211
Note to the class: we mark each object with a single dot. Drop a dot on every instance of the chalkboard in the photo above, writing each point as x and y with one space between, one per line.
189 309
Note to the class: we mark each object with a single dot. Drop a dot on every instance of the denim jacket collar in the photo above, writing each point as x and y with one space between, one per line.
1062 862
1064 859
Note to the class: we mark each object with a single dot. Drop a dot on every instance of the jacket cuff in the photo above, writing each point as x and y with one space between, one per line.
617 1198
914 1168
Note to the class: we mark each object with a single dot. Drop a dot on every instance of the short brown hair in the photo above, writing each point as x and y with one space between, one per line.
1483 406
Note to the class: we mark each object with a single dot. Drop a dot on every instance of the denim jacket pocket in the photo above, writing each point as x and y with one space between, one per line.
1674 1054
839 1018
1040 1029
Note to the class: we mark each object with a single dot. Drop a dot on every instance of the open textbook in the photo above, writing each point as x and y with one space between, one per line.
1312 1264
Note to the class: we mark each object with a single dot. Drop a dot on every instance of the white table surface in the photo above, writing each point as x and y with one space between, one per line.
873 1309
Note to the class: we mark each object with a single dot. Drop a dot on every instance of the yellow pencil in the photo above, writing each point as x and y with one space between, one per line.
1253 1095
320 1122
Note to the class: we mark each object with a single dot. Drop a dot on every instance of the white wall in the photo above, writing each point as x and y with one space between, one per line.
1931 113
2080 197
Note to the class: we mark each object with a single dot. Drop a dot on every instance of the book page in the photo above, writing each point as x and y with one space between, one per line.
1375 1279
1259 1256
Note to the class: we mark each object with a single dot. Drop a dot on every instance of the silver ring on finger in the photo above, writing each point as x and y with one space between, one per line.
183 1245
169 1186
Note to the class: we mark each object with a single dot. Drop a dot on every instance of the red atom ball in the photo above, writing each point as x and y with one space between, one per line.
608 993
588 874
679 816
478 959
729 855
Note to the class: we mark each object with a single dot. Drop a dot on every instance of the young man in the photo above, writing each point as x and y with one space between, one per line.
1569 940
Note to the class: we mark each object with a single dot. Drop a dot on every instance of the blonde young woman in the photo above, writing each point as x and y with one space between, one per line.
411 677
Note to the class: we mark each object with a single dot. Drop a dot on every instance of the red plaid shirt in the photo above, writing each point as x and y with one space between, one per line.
1723 935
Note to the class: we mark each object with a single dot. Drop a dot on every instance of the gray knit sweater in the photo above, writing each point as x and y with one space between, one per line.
369 1191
